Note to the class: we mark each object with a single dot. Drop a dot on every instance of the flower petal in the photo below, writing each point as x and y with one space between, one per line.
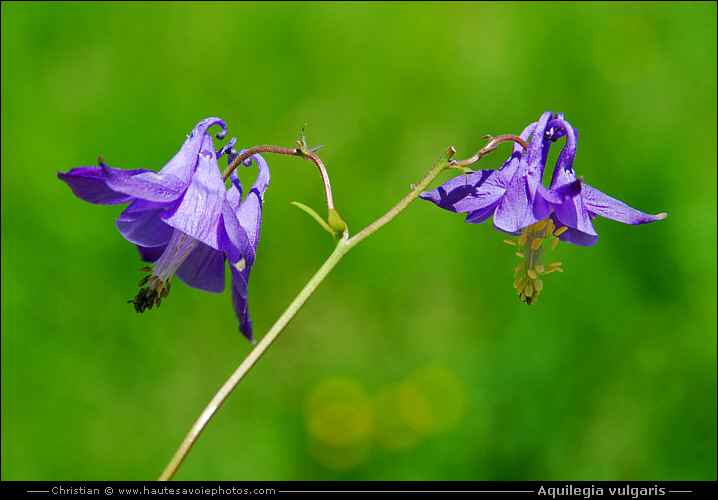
203 269
141 224
564 163
245 237
573 214
521 206
199 212
151 254
535 156
602 204
240 277
249 211
579 238
88 184
481 215
184 163
238 244
144 184
469 193
514 207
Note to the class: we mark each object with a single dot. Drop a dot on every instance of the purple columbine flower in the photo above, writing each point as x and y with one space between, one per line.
521 205
183 219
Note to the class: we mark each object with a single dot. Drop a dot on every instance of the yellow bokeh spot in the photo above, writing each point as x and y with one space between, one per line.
338 411
338 415
343 420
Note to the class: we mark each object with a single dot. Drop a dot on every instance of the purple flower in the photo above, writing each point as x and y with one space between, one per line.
521 205
183 219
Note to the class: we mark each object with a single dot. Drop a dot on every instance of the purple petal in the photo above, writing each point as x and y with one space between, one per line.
573 214
562 193
249 216
451 192
567 156
249 211
238 244
88 184
203 269
514 211
522 204
144 184
184 163
611 208
469 193
541 208
535 155
199 212
576 237
481 215
478 193
140 224
262 182
240 277
151 254
245 236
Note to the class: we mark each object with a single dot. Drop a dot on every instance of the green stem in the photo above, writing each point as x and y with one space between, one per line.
343 246
252 358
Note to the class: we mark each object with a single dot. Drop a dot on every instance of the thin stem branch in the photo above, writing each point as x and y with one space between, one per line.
307 155
492 145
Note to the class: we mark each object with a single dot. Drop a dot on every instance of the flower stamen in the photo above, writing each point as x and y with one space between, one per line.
528 284
158 283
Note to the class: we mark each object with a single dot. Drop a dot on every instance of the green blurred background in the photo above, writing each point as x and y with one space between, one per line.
415 359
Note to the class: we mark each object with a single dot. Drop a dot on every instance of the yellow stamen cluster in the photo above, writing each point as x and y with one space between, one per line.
528 283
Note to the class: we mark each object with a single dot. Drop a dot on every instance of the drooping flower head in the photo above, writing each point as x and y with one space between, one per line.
183 219
521 205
